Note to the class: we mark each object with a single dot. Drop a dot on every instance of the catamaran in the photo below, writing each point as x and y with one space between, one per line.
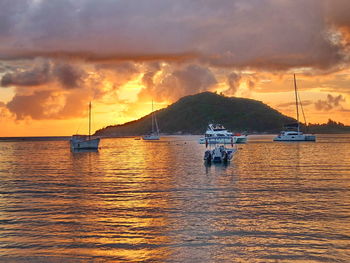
85 142
292 131
154 135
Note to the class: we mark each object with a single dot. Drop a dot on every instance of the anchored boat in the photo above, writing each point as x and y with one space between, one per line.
85 142
154 135
217 133
292 131
219 153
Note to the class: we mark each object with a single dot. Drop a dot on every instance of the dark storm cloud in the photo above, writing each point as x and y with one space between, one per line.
44 72
68 75
37 75
330 103
263 34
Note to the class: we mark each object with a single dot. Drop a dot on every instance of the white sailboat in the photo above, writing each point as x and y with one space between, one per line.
154 135
292 131
85 142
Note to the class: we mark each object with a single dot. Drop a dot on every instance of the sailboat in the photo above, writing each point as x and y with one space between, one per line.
85 142
154 135
292 131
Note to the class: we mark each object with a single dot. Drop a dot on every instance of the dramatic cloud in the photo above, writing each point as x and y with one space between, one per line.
48 104
263 34
174 85
330 103
37 75
233 81
44 72
290 104
55 55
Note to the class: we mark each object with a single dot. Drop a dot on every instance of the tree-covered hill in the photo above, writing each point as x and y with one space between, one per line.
192 114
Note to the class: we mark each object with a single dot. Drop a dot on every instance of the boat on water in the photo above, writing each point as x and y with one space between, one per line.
84 142
292 131
154 135
240 138
219 153
217 133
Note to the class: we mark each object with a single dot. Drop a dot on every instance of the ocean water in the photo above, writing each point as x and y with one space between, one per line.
138 201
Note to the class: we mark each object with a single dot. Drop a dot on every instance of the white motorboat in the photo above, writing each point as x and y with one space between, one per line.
85 142
154 135
239 138
217 133
292 131
219 154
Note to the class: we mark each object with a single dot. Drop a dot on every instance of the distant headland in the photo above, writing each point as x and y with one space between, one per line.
192 114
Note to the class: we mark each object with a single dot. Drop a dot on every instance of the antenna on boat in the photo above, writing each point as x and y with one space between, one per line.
296 101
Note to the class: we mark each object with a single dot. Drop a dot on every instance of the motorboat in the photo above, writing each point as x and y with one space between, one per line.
217 133
219 153
292 131
84 142
154 135
239 138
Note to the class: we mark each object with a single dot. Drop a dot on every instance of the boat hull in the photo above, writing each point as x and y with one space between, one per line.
85 144
216 140
150 137
296 138
218 155
240 139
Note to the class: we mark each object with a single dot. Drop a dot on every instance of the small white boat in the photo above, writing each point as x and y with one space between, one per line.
84 142
219 154
154 135
292 131
217 133
239 138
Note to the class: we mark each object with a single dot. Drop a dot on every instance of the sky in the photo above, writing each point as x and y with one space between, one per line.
57 55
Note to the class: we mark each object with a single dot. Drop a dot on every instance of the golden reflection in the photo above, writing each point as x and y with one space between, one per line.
130 209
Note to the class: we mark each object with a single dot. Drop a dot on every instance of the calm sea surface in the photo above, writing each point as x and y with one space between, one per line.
137 201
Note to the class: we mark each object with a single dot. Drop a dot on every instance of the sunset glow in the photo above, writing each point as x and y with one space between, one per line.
49 71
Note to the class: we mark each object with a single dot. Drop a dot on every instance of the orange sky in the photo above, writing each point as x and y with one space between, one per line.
131 101
56 56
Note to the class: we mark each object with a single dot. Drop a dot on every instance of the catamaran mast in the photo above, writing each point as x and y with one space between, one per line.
152 118
296 100
89 120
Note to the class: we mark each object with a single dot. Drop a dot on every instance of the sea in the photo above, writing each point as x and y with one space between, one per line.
156 201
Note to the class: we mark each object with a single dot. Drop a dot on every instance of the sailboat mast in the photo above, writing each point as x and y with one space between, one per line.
89 120
152 118
296 100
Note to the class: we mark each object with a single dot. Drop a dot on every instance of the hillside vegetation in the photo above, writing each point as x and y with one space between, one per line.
192 114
